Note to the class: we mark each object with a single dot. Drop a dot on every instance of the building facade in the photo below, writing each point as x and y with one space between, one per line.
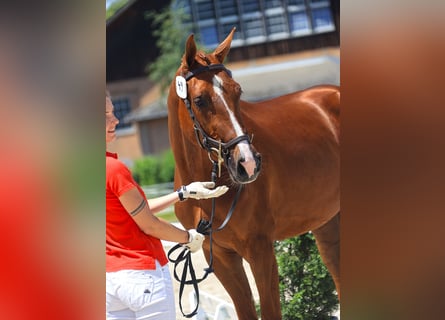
265 29
276 26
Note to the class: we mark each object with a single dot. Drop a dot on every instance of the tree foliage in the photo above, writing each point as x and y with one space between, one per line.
307 291
171 32
114 7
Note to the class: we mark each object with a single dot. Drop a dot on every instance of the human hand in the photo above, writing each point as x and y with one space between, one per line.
195 240
201 190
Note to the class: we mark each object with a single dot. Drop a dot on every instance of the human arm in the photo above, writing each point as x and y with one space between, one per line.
156 227
160 203
142 212
139 209
120 183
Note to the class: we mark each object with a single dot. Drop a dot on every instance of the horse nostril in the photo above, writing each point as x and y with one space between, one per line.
258 161
249 166
242 159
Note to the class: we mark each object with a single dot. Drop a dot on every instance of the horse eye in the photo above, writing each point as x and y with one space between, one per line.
199 102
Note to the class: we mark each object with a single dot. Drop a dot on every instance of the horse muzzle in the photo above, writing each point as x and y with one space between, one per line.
244 165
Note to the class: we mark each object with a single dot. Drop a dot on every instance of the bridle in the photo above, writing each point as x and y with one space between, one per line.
208 143
222 150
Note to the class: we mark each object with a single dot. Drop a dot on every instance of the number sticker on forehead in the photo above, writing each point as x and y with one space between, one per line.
181 87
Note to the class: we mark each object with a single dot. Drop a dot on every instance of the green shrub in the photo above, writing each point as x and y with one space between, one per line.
145 170
167 167
154 169
307 291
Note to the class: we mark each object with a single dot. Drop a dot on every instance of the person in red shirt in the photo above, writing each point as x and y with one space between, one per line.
138 281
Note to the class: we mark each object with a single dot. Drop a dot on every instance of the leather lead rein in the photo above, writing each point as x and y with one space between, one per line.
204 227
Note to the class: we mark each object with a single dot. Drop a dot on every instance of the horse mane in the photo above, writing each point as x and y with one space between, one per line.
201 59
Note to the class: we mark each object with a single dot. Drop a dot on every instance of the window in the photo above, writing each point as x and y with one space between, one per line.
257 21
295 4
270 4
122 107
322 19
254 28
276 24
227 27
209 35
299 22
249 6
206 10
228 8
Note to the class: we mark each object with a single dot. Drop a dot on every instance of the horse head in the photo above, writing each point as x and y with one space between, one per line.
212 98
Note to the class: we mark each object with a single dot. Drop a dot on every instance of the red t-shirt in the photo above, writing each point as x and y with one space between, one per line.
127 247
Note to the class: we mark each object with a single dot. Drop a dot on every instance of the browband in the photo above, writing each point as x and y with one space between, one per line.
211 67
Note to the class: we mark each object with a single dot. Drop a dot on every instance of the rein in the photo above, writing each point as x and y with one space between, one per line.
204 227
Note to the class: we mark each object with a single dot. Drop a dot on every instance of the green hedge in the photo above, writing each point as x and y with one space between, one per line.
154 169
307 291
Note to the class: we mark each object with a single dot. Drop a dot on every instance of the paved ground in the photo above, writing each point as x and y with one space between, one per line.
211 285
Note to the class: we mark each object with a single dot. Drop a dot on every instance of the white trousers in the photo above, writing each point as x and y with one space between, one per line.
140 294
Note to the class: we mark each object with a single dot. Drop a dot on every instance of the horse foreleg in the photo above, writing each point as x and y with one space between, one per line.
228 268
261 257
327 238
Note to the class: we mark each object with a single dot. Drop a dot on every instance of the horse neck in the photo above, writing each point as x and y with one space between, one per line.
248 115
174 130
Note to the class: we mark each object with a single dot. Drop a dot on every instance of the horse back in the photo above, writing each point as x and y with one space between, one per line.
309 110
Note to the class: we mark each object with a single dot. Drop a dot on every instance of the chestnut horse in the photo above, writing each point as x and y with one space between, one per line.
290 172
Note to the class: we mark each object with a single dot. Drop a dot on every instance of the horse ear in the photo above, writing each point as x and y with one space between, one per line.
224 47
190 50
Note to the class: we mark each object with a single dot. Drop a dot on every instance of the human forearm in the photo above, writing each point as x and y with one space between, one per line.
160 203
164 230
